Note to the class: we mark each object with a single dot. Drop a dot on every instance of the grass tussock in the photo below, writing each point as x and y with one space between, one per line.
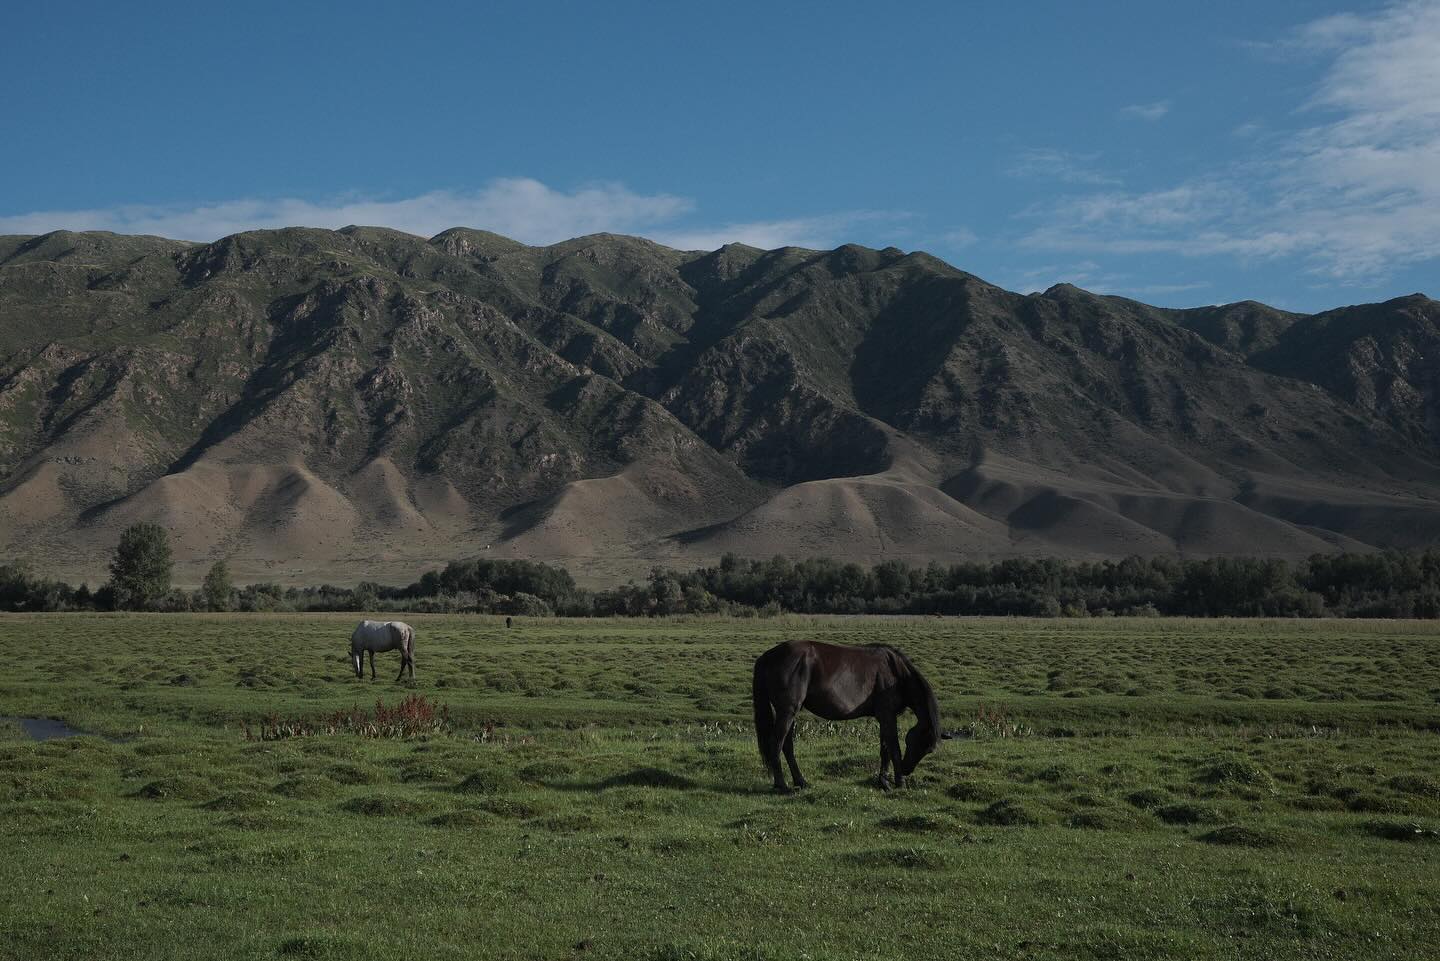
492 780
178 787
1231 770
1244 836
1410 832
386 805
905 858
1011 813
240 801
1188 812
308 787
463 818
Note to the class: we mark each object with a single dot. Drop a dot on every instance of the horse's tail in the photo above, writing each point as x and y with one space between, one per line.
764 710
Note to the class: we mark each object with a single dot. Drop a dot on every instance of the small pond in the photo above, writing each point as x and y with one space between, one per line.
42 728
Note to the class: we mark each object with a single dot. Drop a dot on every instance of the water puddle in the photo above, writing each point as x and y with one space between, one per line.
43 728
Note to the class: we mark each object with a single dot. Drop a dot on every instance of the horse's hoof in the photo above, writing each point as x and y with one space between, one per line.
882 784
783 789
801 784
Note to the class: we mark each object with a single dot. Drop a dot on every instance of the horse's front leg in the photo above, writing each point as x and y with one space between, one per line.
889 751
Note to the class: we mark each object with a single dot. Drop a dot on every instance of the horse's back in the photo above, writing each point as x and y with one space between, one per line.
371 632
820 652
789 650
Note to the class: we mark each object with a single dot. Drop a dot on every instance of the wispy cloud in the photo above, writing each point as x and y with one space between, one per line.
519 207
1147 111
1093 277
1355 194
1049 164
959 237
1161 290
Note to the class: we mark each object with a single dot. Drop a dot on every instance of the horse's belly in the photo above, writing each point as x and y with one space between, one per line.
835 709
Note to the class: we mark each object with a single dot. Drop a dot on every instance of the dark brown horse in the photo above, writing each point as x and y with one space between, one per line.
839 682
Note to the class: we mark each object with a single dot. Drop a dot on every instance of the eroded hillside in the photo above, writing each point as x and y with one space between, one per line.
363 403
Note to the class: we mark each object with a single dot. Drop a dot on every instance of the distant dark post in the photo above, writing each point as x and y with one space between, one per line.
507 622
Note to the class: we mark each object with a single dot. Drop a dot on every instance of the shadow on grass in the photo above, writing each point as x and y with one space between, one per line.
655 777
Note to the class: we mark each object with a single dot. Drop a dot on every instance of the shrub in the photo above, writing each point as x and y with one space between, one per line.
415 716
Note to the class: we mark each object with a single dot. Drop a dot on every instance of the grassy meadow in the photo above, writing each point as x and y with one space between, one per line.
1115 789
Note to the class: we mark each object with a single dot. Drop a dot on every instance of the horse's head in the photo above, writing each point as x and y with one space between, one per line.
924 737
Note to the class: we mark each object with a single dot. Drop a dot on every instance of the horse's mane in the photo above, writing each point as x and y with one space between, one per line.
918 692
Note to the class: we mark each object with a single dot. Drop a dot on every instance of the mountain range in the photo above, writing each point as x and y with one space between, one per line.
365 404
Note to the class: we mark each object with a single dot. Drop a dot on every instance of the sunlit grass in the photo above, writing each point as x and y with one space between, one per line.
1118 789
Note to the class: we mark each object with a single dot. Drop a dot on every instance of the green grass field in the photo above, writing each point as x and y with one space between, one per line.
1123 789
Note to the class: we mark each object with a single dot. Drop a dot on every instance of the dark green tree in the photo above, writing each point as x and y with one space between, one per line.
140 570
218 588
366 596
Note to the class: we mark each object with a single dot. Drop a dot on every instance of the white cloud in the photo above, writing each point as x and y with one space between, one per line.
517 207
524 209
1147 111
811 232
1354 194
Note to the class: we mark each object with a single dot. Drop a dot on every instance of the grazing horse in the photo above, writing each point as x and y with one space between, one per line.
382 636
840 682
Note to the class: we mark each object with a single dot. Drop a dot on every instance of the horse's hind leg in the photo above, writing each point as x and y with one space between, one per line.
781 735
372 665
795 774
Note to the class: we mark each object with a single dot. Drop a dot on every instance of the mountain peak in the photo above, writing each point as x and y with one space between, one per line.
285 397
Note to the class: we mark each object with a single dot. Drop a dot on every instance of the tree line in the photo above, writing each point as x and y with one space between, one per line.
1391 584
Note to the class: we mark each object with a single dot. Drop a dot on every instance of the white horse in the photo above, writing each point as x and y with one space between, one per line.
382 636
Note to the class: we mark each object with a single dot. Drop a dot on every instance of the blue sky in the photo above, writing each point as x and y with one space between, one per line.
1181 154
